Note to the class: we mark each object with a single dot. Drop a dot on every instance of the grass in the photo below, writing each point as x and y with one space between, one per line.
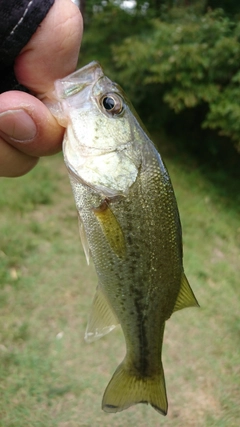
48 375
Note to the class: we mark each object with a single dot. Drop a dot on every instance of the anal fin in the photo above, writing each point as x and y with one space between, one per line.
186 297
102 320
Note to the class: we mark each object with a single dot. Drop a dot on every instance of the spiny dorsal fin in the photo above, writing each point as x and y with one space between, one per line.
111 229
186 297
102 320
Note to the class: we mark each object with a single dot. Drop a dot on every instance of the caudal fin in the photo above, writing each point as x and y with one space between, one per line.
126 389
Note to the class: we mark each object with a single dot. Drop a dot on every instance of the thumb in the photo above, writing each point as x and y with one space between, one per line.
27 131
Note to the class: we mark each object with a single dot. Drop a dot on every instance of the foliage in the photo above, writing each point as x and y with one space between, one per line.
231 7
150 7
108 27
195 61
94 7
183 60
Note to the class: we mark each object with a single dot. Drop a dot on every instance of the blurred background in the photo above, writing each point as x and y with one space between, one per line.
178 62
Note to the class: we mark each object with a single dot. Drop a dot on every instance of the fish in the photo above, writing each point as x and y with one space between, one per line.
129 225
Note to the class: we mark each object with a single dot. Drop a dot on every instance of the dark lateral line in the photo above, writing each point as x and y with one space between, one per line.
144 363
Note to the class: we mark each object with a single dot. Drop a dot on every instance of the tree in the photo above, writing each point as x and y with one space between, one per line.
185 58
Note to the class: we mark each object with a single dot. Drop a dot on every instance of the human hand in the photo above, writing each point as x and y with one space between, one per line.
27 128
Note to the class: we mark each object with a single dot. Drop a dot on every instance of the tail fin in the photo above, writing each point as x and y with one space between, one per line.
126 389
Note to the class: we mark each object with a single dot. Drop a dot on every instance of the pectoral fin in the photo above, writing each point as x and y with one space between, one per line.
111 229
102 320
186 297
83 239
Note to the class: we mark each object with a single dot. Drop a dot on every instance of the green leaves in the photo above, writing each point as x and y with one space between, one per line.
224 113
184 58
195 60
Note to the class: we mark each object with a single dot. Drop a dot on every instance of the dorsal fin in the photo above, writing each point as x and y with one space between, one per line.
102 320
186 297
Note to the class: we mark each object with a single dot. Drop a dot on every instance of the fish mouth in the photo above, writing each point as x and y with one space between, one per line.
89 72
77 81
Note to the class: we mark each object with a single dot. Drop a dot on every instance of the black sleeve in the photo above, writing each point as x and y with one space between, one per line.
19 19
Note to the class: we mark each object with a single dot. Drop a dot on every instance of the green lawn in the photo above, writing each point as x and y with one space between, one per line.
48 375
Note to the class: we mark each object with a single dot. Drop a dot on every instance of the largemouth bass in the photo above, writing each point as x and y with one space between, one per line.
129 225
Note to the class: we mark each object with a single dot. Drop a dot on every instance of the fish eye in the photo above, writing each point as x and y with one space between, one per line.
112 104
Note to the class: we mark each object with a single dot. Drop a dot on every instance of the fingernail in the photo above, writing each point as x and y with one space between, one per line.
17 126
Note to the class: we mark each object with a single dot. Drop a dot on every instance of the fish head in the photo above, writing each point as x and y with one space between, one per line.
102 144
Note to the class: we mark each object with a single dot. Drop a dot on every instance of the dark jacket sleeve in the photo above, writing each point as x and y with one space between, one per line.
19 19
